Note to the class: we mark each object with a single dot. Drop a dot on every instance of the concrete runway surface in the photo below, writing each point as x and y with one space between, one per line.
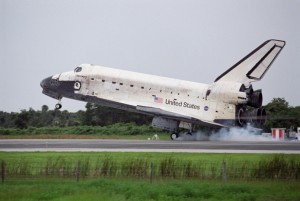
92 145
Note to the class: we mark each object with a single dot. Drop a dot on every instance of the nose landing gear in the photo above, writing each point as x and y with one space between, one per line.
58 105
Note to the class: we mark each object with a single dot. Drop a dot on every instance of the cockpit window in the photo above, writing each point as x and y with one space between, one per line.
78 69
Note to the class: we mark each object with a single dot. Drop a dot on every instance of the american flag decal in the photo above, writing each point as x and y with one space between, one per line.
158 99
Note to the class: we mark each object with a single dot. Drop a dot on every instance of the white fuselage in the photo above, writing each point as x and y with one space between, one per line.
137 89
229 101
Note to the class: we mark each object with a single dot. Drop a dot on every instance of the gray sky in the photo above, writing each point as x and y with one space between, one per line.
186 39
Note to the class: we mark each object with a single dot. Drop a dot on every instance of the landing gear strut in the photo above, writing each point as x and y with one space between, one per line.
188 126
176 135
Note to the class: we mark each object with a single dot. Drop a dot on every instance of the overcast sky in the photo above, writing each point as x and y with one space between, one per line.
193 40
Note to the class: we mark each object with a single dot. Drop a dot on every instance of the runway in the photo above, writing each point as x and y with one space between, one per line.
92 145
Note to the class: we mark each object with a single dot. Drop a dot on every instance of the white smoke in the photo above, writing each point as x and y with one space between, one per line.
248 133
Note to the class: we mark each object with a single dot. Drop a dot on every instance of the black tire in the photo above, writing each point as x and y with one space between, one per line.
58 106
174 136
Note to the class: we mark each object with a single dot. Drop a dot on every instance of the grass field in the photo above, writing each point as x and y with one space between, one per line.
177 176
163 165
73 157
136 190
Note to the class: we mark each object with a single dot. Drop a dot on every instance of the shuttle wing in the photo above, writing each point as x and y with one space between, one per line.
171 115
254 66
160 112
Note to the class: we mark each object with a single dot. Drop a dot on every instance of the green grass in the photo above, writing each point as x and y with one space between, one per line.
164 165
131 179
136 190
114 129
42 157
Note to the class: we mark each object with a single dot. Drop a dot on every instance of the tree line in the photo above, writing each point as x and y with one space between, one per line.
94 115
280 114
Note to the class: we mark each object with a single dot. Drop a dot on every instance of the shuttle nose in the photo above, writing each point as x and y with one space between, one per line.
45 82
42 83
54 87
51 87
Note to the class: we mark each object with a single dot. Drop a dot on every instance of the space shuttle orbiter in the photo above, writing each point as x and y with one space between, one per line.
229 101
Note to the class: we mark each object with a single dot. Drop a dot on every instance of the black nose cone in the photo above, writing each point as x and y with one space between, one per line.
50 87
45 83
42 83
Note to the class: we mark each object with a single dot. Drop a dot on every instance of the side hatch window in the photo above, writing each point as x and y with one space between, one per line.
78 69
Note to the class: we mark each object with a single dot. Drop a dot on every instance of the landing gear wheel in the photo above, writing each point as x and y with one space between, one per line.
174 136
58 106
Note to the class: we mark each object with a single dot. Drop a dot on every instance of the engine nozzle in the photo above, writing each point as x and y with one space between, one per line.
255 99
257 117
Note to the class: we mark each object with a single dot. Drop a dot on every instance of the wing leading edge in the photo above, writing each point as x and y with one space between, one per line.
254 66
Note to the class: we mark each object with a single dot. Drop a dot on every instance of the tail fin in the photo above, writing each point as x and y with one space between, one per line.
254 66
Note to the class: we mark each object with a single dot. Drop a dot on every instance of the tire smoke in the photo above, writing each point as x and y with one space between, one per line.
247 133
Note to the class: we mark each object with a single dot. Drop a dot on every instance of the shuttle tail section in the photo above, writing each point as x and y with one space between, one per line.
254 66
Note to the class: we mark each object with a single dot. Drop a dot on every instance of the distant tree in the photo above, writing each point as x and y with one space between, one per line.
3 117
33 118
45 108
89 113
277 105
281 115
294 113
22 120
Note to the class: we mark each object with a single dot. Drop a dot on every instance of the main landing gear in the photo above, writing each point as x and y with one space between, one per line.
176 135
